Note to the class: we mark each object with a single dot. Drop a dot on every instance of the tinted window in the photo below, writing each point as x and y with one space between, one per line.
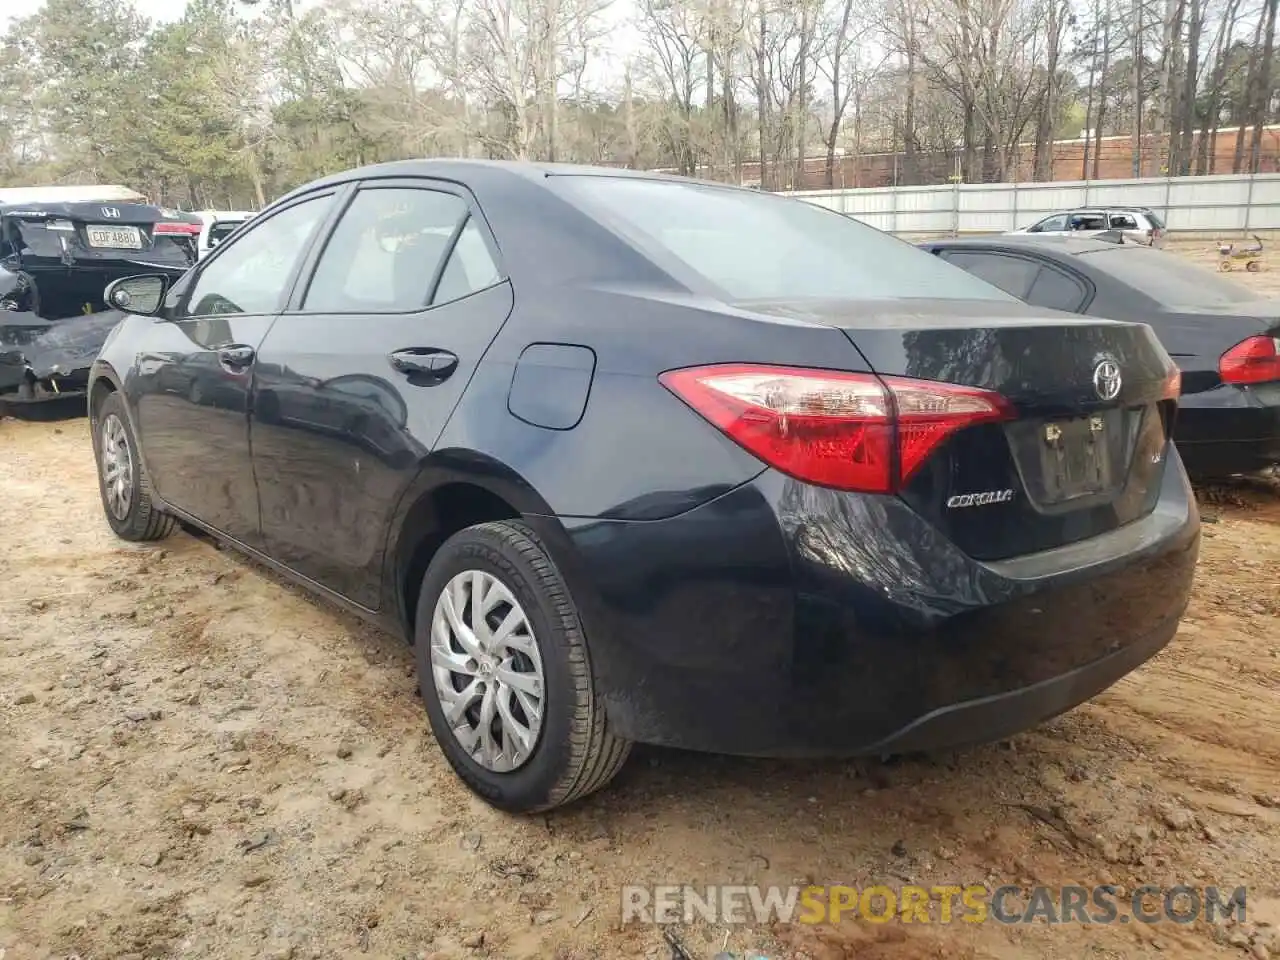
1088 221
1058 291
1168 278
470 267
1051 225
220 230
385 251
754 245
1155 219
249 274
1013 275
1123 221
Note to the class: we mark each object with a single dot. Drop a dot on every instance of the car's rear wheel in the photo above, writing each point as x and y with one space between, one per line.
505 673
122 480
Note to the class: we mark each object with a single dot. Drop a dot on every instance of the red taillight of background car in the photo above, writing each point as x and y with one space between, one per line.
1255 360
850 431
179 229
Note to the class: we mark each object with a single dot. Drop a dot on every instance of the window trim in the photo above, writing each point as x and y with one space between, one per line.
192 280
294 305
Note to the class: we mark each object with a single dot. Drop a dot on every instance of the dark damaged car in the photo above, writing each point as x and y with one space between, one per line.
55 261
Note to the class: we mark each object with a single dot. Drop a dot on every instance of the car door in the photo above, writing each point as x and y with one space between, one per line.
357 379
191 408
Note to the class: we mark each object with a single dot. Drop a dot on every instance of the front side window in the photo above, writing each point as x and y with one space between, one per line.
1051 225
1088 221
385 251
251 273
757 246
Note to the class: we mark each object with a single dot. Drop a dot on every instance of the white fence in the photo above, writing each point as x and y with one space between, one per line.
1219 204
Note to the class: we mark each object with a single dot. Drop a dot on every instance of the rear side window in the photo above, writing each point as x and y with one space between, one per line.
1013 275
756 246
1167 278
1123 221
1056 290
384 254
470 267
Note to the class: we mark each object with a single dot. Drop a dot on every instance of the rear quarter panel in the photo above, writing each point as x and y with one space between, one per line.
638 452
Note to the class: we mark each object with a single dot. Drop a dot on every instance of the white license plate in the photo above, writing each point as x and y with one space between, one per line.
129 238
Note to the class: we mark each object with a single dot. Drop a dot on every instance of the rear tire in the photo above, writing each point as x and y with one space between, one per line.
573 753
122 480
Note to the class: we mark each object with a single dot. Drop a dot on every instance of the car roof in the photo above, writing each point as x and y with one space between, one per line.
466 170
1064 246
1100 208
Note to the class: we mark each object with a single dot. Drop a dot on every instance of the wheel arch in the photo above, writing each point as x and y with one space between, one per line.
454 489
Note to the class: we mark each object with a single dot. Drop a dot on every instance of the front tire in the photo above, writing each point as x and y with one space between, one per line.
505 674
122 481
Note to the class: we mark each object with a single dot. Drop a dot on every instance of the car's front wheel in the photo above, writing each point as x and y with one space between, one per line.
122 480
505 673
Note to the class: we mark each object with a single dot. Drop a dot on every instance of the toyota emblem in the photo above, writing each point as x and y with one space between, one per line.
1106 379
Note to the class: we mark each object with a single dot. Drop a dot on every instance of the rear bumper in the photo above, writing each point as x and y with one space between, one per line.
1229 430
786 620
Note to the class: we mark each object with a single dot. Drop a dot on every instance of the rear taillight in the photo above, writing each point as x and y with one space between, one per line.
851 431
179 229
1255 360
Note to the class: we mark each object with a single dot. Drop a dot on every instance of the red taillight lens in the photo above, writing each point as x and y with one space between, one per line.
181 229
851 431
1256 360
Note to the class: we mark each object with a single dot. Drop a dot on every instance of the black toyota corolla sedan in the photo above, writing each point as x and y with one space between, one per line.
636 458
1224 337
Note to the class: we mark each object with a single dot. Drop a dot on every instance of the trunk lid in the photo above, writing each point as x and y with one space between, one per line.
1085 453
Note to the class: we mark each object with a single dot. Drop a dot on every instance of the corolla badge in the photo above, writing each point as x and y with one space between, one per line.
1107 380
979 499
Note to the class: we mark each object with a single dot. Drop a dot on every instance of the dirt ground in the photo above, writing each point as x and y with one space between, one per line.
197 760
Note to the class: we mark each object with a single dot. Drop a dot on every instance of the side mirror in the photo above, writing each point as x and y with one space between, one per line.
142 295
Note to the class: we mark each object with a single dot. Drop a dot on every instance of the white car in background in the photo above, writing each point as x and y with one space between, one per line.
216 226
1137 224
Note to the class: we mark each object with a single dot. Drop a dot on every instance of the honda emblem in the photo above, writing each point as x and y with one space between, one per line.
111 213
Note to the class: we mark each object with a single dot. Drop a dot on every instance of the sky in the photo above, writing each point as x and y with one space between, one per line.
152 9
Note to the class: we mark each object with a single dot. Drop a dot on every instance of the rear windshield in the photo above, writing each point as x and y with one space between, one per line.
755 246
222 229
1154 218
1168 278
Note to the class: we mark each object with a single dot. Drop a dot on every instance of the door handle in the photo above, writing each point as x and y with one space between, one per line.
236 356
424 365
